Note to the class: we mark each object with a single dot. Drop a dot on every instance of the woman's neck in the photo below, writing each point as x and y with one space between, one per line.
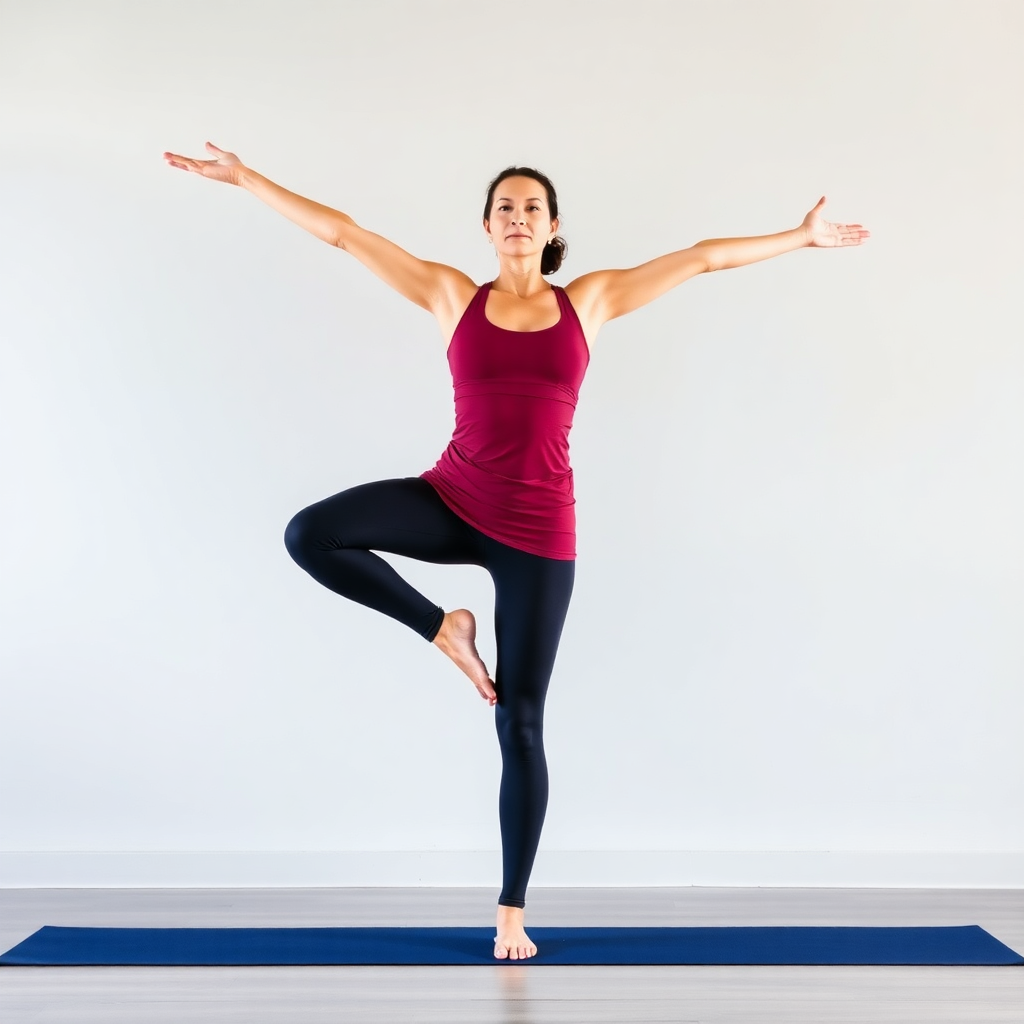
520 277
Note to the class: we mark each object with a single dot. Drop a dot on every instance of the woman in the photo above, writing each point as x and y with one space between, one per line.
501 495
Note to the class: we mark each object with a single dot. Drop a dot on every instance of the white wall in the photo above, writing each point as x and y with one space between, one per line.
797 617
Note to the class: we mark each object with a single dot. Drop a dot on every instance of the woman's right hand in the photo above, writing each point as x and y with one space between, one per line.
223 167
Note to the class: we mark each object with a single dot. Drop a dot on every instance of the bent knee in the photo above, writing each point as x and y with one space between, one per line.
299 537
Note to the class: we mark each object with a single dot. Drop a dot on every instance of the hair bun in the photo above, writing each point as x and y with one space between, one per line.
554 252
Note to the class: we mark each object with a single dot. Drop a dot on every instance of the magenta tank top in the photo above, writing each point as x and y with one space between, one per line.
506 470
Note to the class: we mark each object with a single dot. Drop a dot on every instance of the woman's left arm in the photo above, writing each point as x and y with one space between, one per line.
613 293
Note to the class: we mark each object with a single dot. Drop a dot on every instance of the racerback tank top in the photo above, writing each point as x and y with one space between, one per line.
506 470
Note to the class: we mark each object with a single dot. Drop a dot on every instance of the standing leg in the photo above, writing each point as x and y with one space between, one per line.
531 600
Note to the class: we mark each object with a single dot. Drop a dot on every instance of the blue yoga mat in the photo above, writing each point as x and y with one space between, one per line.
266 946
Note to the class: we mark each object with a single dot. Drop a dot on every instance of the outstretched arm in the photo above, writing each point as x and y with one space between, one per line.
613 293
815 231
427 284
322 221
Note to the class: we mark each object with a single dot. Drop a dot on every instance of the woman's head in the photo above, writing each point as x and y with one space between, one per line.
521 216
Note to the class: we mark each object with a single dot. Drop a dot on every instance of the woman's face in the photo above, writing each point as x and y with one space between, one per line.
520 223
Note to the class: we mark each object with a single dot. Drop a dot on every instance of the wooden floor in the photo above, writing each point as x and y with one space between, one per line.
511 995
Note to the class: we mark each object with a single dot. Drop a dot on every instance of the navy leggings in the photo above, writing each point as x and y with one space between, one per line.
332 541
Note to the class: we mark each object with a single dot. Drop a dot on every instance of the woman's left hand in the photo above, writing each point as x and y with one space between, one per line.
826 235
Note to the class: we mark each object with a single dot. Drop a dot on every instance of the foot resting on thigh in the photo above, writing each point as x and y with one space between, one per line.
457 638
511 942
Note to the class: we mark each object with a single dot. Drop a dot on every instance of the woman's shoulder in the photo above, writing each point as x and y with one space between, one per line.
585 294
453 303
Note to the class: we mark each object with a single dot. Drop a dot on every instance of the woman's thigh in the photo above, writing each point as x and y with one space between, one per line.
531 599
403 516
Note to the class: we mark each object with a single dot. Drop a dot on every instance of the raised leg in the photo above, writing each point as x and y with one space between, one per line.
332 541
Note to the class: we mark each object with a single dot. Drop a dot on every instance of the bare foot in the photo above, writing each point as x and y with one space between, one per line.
511 942
457 638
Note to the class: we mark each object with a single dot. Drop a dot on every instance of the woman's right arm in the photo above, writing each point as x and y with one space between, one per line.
434 286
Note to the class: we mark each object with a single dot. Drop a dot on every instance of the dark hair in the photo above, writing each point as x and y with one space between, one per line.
554 251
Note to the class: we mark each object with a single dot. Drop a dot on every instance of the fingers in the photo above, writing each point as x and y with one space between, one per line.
182 162
186 163
853 234
204 168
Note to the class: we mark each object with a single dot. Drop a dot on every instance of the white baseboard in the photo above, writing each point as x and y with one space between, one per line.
457 868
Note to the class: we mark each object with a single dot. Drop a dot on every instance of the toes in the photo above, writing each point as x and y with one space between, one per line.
514 952
485 687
